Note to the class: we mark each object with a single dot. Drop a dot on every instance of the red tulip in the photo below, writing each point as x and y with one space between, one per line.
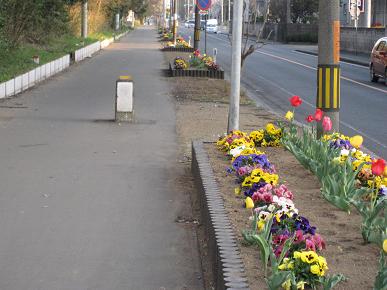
327 123
378 166
309 119
318 115
295 101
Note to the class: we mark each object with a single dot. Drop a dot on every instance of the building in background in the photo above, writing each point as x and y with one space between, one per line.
377 16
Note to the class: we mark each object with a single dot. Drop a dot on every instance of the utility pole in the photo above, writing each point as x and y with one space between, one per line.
197 28
84 19
174 22
328 73
233 114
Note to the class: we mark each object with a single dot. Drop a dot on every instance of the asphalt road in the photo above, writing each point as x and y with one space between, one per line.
276 72
87 203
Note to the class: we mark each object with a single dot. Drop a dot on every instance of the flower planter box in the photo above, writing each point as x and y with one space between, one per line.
179 49
196 73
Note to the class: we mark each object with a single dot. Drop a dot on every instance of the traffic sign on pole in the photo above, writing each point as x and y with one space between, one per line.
203 4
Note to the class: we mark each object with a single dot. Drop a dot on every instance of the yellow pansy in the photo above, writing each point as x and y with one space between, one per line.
322 262
296 255
385 245
289 115
237 190
315 269
309 257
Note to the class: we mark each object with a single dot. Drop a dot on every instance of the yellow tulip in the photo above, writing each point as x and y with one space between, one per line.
289 115
249 203
385 245
356 141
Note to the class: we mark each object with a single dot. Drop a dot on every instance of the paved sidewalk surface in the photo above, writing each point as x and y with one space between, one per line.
360 58
86 203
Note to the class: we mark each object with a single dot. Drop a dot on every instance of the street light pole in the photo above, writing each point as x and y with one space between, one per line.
328 73
233 114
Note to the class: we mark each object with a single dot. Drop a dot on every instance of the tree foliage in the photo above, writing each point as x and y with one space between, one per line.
36 21
32 21
302 11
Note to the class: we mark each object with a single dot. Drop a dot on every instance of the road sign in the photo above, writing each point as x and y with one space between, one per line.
356 7
203 4
203 12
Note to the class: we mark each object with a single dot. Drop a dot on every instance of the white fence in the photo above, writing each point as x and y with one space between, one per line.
87 51
33 77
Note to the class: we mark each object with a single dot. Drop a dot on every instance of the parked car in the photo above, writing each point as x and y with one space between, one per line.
378 64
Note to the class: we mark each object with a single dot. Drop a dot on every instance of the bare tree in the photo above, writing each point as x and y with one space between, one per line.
255 12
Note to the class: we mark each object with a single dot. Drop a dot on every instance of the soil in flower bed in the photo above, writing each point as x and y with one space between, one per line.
345 251
202 114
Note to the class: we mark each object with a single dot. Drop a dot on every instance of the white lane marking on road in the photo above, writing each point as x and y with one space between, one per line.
313 107
344 62
313 68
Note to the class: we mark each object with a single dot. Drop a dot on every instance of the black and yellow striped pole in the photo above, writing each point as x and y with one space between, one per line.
328 69
197 27
328 88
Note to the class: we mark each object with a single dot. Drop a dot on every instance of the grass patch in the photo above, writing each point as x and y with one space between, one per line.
14 62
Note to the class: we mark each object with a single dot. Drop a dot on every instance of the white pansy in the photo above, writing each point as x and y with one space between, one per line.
237 151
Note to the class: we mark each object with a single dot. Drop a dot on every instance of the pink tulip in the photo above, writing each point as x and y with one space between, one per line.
327 123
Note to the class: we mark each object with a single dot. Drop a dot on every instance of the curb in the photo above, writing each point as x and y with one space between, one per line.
198 73
223 250
344 59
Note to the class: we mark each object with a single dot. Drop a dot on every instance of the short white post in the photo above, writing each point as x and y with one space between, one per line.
124 99
189 41
215 53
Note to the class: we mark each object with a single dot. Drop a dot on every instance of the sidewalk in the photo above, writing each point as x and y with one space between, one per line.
360 58
87 203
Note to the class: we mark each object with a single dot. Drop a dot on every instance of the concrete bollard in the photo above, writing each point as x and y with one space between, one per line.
215 53
124 99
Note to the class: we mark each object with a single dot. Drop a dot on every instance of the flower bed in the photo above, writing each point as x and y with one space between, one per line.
284 237
197 66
